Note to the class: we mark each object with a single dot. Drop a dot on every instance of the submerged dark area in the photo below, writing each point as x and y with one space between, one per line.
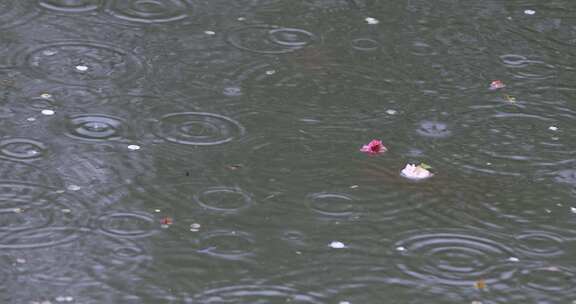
208 151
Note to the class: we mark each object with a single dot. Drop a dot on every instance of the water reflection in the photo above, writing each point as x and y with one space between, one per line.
192 151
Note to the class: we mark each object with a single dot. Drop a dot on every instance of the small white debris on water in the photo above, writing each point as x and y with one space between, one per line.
270 72
64 299
156 210
337 245
488 164
66 210
548 210
134 147
74 187
164 226
47 112
391 112
81 68
49 52
513 259
195 227
232 91
553 128
17 210
371 20
573 209
31 119
20 260
343 302
354 186
529 12
46 95
241 19
400 248
210 32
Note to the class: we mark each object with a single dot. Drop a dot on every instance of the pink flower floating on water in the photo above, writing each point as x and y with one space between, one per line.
497 84
374 147
416 172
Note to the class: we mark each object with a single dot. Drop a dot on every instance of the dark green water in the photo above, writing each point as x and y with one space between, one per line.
238 124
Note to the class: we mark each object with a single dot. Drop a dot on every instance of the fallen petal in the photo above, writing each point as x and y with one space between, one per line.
415 172
374 147
497 84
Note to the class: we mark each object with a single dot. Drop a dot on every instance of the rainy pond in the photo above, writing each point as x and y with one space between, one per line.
212 151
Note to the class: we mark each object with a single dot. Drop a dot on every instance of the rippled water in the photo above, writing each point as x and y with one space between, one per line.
195 151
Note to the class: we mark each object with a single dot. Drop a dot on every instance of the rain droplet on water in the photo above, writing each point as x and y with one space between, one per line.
371 20
337 245
81 68
74 187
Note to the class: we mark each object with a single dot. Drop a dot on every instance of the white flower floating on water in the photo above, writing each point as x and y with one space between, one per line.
416 172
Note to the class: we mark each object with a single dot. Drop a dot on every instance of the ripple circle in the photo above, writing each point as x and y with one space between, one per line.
44 218
268 39
198 128
95 127
39 238
552 280
22 148
536 243
15 12
257 294
505 141
433 129
365 44
79 62
86 261
454 257
50 96
128 224
331 204
12 172
224 199
71 6
226 244
151 11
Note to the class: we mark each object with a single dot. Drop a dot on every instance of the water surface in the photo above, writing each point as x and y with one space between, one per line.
195 151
